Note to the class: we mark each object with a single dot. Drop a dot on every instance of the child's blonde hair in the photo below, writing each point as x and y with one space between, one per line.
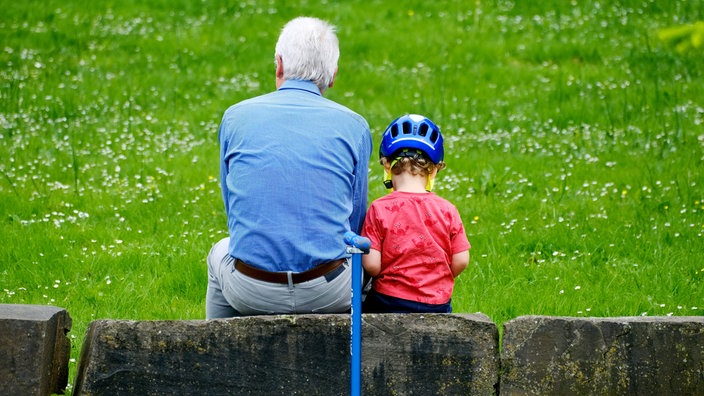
414 163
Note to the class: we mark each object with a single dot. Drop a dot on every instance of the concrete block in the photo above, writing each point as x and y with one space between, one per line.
603 356
34 349
290 355
440 354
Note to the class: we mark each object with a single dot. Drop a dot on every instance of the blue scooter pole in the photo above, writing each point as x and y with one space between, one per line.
357 246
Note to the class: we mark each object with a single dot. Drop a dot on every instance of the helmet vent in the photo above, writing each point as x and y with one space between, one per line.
394 131
406 128
433 135
423 130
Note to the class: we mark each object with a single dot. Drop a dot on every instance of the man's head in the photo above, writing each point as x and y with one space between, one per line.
307 49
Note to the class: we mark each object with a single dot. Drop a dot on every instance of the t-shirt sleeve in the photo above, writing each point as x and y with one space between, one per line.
458 236
370 228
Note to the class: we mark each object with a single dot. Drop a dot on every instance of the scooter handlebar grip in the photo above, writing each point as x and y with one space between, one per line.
357 241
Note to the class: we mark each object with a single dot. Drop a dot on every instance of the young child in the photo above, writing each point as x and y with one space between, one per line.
418 240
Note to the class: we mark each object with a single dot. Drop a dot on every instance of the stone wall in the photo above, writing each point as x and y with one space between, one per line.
417 354
291 355
34 349
603 356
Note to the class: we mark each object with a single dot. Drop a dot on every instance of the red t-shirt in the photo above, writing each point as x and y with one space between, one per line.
417 234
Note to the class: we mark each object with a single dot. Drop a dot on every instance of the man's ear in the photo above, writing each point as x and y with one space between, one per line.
333 79
279 67
279 72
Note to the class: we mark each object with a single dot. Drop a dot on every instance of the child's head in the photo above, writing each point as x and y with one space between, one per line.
412 143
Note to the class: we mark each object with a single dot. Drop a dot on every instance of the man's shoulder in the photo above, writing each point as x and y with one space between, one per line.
253 101
346 111
250 108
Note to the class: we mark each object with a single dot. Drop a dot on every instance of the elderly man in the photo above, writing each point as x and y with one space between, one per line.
294 180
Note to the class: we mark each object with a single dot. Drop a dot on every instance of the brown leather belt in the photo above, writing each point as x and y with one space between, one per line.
282 277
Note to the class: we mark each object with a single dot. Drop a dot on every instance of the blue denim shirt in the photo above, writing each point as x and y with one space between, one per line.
293 169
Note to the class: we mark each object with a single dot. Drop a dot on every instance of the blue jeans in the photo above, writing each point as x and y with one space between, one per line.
230 293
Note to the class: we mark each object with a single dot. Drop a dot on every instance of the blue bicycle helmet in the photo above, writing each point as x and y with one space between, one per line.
412 131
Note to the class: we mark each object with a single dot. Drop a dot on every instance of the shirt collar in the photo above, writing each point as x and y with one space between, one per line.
303 85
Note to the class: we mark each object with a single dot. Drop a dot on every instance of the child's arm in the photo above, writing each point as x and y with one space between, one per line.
459 262
372 262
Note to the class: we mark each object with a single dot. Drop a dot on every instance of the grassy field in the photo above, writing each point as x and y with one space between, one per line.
575 143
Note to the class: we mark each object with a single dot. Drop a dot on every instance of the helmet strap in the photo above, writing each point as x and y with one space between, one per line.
430 184
387 180
387 175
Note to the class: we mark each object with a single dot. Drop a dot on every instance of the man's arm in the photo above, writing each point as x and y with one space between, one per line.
222 139
361 183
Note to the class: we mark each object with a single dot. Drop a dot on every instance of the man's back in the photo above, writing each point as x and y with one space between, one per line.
294 169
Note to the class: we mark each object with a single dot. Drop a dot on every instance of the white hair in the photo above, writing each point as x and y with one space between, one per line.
309 50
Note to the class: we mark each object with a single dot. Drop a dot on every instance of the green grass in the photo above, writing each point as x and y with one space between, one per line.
575 144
